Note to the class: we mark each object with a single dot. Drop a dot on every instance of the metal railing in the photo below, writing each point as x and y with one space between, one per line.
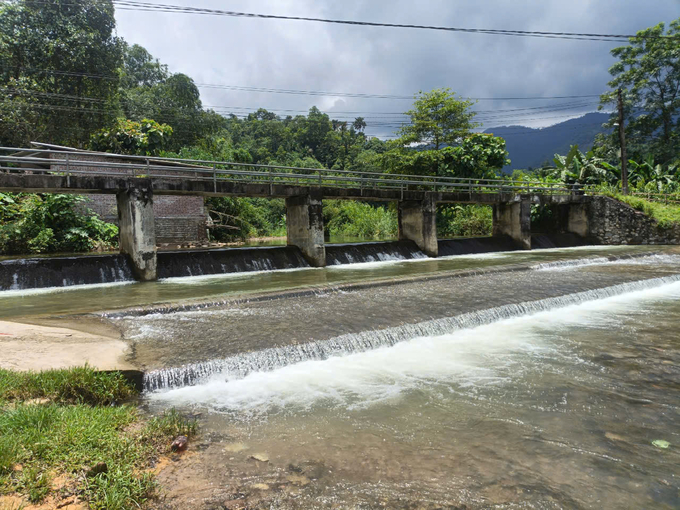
77 163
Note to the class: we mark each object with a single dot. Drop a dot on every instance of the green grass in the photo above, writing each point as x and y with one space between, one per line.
82 385
66 437
667 215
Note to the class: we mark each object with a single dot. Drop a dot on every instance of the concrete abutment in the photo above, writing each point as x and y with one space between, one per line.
137 231
418 223
304 226
513 219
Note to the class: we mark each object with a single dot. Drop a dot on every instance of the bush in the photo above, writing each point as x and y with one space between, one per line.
359 219
464 220
51 223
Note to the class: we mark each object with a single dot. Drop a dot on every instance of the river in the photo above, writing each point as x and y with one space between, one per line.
550 379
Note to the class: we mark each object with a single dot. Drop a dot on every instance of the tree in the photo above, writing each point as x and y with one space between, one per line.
648 72
145 138
141 69
438 117
59 63
479 156
577 167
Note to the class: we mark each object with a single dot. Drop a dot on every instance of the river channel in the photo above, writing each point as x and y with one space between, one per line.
548 379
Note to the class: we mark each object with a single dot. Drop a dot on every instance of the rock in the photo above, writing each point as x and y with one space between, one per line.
260 486
261 457
97 469
179 444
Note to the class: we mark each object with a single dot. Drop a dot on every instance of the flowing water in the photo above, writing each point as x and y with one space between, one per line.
551 382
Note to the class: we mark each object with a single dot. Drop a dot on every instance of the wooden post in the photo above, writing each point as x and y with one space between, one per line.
622 140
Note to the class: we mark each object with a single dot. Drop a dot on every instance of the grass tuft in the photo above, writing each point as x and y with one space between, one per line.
75 431
82 385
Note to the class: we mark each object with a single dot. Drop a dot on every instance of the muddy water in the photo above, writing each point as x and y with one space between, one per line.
550 393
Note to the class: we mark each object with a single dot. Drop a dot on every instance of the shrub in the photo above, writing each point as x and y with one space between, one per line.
51 223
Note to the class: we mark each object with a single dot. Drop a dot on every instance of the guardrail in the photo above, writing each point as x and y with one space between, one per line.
75 163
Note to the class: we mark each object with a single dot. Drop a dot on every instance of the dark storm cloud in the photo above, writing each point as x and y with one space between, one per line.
313 56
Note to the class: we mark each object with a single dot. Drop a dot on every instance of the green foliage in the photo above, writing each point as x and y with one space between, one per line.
82 385
577 167
38 38
464 220
438 117
477 156
349 218
51 223
648 72
145 138
65 440
241 218
666 215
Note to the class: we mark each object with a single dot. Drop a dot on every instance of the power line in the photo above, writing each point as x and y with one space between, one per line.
150 7
357 95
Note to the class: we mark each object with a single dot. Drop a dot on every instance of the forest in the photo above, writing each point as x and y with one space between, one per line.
68 79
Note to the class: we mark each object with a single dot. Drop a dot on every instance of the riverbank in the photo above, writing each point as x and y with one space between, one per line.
69 441
34 347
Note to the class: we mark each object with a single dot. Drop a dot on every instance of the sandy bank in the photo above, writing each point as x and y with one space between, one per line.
32 347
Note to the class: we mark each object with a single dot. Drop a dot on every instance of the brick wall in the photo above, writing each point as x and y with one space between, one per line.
178 219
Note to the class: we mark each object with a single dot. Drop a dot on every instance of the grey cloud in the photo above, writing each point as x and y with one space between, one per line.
312 56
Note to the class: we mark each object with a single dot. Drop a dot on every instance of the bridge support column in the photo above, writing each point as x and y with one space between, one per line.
417 223
513 219
304 227
137 232
577 220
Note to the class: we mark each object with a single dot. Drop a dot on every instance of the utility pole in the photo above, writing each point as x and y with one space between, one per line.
622 140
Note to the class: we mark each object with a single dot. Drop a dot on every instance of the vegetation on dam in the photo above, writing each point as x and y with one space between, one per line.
68 436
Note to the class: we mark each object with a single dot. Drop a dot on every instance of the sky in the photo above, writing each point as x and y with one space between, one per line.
297 55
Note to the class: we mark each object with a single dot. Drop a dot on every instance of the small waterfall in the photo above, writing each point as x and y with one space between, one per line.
270 359
633 258
36 273
337 254
471 245
228 260
563 240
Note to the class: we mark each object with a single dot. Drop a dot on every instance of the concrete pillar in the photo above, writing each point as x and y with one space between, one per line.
137 231
418 223
513 219
577 220
304 226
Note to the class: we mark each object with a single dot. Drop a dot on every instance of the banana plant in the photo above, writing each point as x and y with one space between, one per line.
579 168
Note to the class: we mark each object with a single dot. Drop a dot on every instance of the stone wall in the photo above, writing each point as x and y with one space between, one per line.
613 222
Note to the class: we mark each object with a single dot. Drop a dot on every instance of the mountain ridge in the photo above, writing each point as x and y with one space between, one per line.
532 147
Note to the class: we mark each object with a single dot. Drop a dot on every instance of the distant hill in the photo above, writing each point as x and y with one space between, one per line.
529 147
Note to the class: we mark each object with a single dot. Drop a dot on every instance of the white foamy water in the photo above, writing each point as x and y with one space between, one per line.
563 265
466 351
207 278
53 290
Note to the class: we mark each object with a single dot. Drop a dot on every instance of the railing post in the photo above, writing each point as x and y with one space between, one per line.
320 181
148 169
470 184
68 171
214 177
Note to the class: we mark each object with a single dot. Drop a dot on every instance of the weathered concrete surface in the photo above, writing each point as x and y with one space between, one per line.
513 219
417 223
577 221
304 225
137 231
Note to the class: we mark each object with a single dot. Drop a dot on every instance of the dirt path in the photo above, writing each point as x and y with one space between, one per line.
33 347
